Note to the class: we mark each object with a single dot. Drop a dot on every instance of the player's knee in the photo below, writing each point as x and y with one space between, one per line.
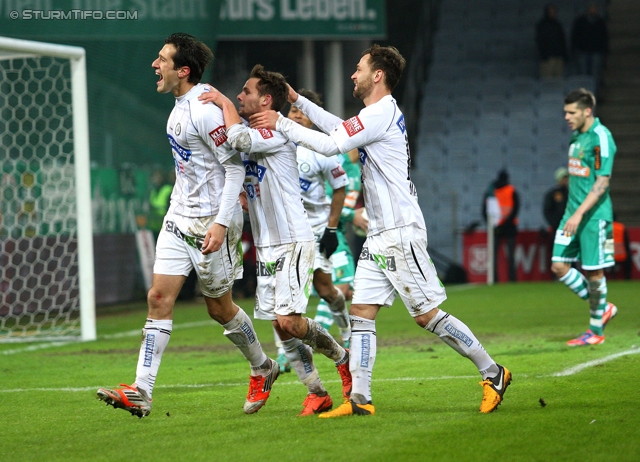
295 326
425 318
160 303
559 269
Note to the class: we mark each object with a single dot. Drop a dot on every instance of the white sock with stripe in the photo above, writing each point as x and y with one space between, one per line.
241 332
300 357
155 337
362 357
458 336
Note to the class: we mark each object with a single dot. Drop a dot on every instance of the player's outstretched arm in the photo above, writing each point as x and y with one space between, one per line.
311 139
322 118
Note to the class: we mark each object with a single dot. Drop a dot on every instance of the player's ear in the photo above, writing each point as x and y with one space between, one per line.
184 71
268 99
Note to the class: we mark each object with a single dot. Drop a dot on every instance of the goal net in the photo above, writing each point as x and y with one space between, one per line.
46 248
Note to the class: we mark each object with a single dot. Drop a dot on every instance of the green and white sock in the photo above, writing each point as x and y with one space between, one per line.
323 315
578 284
597 304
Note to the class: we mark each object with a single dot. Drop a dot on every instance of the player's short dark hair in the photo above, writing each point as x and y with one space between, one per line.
388 60
583 97
190 52
312 96
271 83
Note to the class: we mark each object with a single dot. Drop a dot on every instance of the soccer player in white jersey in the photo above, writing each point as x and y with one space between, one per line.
201 230
394 257
323 215
282 235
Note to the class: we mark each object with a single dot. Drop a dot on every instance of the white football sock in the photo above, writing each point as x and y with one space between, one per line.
458 336
241 332
300 357
278 342
362 357
155 337
321 341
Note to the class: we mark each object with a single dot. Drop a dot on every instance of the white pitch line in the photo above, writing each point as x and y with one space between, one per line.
243 384
130 333
580 367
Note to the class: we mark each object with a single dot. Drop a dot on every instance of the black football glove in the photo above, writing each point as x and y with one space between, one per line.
329 242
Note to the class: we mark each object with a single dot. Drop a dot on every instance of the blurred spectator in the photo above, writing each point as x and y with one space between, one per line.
550 40
590 41
507 224
161 187
555 199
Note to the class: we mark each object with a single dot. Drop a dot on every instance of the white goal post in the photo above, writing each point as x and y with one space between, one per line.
46 242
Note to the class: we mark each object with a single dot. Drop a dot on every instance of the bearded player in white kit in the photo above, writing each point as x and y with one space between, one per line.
201 230
394 256
284 240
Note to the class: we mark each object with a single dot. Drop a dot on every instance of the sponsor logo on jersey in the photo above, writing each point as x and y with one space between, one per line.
363 156
219 135
577 169
384 262
266 133
401 125
182 152
248 332
305 184
598 160
191 241
455 333
254 169
338 171
269 268
149 346
353 125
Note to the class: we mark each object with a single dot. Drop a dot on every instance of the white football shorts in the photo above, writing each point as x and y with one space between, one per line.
178 251
285 275
397 261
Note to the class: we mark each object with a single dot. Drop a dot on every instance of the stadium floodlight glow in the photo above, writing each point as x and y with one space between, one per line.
46 242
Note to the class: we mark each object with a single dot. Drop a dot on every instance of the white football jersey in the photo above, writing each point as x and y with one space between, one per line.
314 170
198 140
271 182
380 134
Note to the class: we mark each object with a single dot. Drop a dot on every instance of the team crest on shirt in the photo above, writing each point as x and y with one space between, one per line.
338 171
304 167
219 135
353 125
177 129
266 133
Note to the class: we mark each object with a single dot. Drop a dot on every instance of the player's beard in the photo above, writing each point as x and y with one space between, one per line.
363 87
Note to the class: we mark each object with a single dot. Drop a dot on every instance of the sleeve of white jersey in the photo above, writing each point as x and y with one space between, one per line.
333 172
365 128
246 139
233 179
322 119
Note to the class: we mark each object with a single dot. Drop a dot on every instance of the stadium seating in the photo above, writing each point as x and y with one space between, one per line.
483 109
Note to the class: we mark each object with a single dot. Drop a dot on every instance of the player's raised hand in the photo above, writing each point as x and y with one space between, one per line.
213 96
292 96
214 238
266 119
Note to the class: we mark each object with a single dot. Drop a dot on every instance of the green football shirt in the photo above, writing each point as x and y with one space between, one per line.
590 155
353 190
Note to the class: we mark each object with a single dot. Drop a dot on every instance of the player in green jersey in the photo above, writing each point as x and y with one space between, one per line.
585 232
342 259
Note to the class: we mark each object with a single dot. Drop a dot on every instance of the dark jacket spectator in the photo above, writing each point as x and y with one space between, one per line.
551 43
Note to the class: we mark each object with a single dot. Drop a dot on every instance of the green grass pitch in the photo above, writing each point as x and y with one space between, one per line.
564 404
